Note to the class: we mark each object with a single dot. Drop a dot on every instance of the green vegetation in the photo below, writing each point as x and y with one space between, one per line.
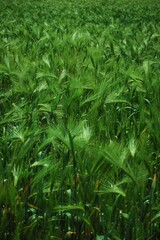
79 120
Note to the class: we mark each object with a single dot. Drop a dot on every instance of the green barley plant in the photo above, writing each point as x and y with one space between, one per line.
79 120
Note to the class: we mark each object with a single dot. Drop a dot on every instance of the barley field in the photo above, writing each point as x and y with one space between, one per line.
80 119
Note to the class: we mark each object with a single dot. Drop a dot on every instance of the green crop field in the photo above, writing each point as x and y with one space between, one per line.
80 119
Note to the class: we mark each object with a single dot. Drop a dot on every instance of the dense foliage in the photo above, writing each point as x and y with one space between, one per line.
79 119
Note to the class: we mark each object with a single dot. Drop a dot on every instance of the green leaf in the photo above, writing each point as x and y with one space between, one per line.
112 189
69 208
156 217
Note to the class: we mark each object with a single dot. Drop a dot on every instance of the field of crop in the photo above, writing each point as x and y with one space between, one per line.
80 119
